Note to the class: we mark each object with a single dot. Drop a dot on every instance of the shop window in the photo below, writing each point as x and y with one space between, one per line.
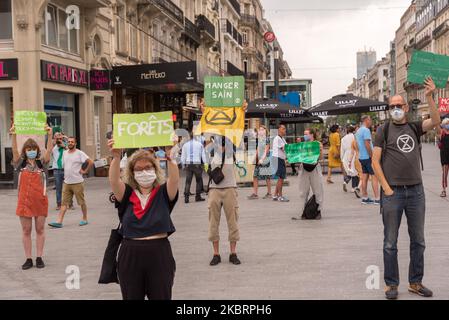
5 20
55 32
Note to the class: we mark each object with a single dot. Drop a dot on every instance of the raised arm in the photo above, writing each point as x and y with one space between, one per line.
15 150
173 171
47 155
117 185
435 119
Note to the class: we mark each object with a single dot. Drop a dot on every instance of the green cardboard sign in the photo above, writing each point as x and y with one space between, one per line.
30 122
304 152
143 130
224 91
425 64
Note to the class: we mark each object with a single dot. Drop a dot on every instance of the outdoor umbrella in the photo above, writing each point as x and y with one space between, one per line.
307 118
273 109
347 104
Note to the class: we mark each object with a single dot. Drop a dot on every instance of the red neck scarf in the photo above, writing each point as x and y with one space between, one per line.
139 212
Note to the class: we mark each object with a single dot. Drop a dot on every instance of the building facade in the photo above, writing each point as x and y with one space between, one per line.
365 61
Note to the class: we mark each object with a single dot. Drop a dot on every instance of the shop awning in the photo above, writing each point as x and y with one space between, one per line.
185 76
347 104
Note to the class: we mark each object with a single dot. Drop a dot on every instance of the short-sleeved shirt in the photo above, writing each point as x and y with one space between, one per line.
401 159
361 136
278 147
55 153
229 180
155 218
73 162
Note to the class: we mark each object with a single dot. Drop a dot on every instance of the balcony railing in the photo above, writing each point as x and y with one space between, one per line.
423 42
233 33
440 30
233 70
170 8
192 31
250 20
259 55
205 25
236 5
252 76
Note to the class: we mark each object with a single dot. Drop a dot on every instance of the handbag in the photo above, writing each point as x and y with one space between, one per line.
108 272
217 175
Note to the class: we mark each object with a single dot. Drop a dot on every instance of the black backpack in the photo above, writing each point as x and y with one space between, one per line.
311 209
414 129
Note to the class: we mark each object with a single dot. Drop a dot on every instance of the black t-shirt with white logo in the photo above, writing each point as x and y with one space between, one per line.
401 162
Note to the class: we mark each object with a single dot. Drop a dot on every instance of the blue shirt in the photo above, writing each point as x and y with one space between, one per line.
193 153
361 136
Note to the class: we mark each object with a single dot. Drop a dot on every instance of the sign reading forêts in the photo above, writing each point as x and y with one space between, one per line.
143 130
30 122
427 64
304 152
224 91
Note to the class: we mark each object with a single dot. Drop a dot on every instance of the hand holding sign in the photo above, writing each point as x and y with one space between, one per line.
429 86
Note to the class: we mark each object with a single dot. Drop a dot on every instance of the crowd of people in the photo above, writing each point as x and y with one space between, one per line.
146 190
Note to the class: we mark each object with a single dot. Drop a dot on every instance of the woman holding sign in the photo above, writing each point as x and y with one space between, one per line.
146 266
32 192
310 176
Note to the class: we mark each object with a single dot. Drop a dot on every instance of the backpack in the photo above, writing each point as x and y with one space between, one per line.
311 209
414 129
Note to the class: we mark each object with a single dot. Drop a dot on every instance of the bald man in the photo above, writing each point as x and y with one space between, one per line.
397 165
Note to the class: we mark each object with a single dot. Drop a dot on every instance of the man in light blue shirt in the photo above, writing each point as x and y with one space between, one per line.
193 157
365 149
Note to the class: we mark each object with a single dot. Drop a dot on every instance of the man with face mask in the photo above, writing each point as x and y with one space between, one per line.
76 164
397 164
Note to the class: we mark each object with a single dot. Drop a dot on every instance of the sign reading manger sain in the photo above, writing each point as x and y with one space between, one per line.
425 64
30 122
224 91
143 130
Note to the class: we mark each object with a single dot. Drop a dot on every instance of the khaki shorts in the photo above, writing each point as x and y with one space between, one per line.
226 199
68 190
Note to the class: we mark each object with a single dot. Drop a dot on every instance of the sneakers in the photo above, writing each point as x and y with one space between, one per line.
215 260
267 196
419 289
345 187
283 199
83 223
186 200
55 225
28 264
253 197
391 292
199 199
40 263
275 198
367 201
357 193
377 202
233 259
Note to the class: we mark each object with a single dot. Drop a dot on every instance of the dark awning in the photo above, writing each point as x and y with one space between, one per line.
185 76
347 104
273 109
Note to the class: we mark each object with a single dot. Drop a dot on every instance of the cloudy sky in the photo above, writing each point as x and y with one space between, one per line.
320 38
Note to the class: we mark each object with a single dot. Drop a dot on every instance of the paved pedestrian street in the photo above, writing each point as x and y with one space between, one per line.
281 258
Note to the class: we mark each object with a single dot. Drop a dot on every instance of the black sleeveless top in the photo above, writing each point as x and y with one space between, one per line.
138 222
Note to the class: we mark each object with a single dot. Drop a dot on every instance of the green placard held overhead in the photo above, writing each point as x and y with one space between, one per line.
224 91
425 64
30 122
304 152
143 130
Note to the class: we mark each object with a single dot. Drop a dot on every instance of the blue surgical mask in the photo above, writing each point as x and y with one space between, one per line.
397 114
446 126
32 154
306 138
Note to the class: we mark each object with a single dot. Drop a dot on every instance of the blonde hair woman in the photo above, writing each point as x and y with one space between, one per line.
145 265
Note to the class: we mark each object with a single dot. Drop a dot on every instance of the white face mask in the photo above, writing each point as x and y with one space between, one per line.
397 114
145 178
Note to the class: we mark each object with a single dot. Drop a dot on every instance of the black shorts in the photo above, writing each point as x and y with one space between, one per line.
367 167
281 171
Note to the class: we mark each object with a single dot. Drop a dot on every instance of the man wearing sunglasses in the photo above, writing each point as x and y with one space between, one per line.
397 165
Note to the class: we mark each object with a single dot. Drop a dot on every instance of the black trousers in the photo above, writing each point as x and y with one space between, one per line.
197 170
146 268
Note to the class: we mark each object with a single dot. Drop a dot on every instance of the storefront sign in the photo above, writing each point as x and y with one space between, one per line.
444 105
224 91
55 72
30 122
304 152
9 69
155 74
99 80
143 130
425 64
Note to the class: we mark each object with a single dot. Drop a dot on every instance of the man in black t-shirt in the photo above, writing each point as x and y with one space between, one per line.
397 165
